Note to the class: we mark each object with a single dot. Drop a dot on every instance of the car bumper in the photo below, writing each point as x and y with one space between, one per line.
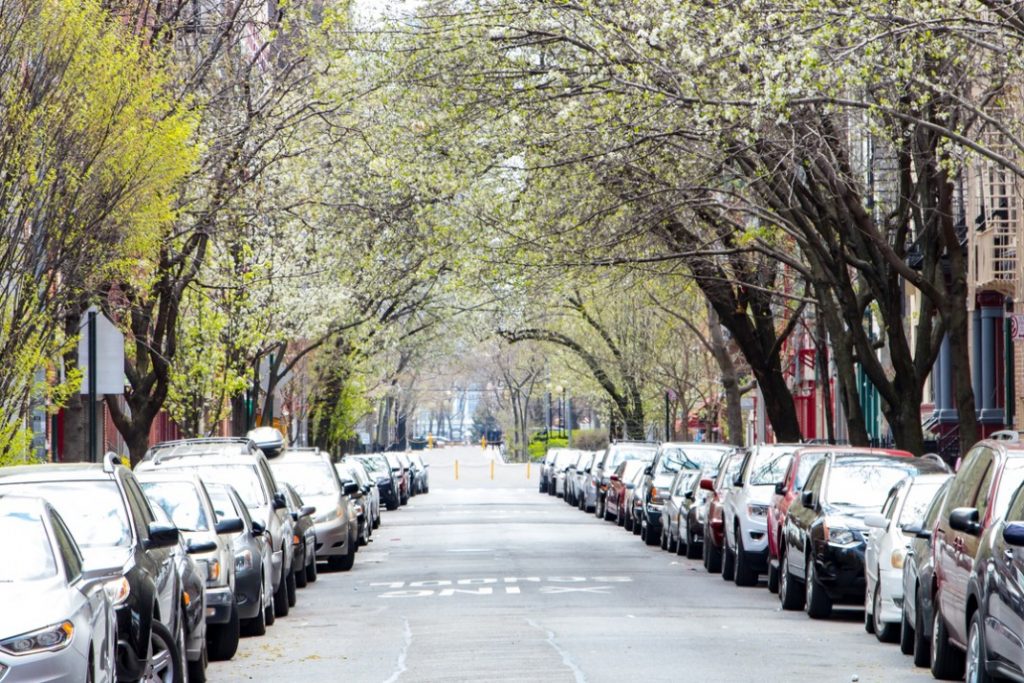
331 538
68 664
652 515
890 583
755 536
840 572
247 592
218 604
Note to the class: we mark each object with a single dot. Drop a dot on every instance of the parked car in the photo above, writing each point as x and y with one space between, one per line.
916 621
622 480
693 512
886 551
589 483
713 536
310 471
410 469
57 621
617 452
559 469
115 528
745 511
823 550
387 485
368 487
421 483
546 480
251 546
303 535
668 460
240 463
673 517
978 499
357 501
634 505
183 497
572 478
402 476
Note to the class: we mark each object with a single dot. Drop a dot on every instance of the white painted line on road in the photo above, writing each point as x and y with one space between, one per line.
470 550
406 642
577 673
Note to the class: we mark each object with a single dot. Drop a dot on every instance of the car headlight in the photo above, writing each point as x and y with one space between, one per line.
842 537
359 509
243 561
211 567
658 496
51 638
757 510
117 590
897 558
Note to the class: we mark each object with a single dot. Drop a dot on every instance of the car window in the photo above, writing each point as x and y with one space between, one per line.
1015 507
93 510
23 535
728 472
674 458
70 555
965 487
862 484
309 478
1009 480
143 512
935 507
770 470
890 503
243 477
918 502
815 476
985 490
684 480
804 467
181 501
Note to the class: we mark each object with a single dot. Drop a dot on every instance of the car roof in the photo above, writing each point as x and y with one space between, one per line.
866 450
79 471
196 460
293 457
920 465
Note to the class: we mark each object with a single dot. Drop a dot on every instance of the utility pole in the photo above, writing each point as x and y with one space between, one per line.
92 369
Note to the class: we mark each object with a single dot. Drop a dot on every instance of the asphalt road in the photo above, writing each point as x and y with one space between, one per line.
488 580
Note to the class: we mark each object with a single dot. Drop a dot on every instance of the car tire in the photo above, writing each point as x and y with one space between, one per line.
292 586
713 554
906 632
663 539
197 669
300 577
311 572
648 537
869 616
376 520
947 662
257 626
344 563
627 523
161 641
728 562
281 606
816 602
222 639
608 516
773 578
790 595
885 632
922 643
744 574
636 527
673 543
977 652
681 546
692 551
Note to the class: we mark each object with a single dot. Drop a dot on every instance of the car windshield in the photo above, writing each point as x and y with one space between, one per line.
181 502
622 454
565 459
243 477
918 500
675 458
804 467
308 478
376 465
631 468
685 480
25 547
93 510
862 484
224 506
769 467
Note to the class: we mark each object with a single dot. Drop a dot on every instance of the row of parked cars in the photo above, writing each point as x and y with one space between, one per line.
113 574
934 557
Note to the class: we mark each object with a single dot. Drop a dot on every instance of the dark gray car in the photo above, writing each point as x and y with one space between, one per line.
617 452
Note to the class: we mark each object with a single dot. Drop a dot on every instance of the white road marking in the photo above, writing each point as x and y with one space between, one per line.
577 673
406 642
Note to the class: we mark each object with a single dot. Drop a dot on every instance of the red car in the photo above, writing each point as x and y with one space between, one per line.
619 484
714 527
790 487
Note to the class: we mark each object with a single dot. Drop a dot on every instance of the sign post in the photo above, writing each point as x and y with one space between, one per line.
101 356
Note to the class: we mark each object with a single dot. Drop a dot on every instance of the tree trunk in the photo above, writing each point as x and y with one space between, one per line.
729 378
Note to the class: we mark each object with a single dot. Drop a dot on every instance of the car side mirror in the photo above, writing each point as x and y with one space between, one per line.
914 530
807 499
279 501
614 477
350 488
688 495
649 470
876 520
780 488
707 485
737 480
965 520
229 526
258 529
307 510
1013 534
201 547
162 536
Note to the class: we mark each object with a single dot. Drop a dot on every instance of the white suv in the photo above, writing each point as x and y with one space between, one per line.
745 511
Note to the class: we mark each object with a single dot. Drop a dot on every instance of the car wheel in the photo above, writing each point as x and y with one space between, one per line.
300 577
599 508
977 652
164 661
637 528
627 523
648 536
922 643
268 613
714 555
257 626
816 603
884 631
292 589
745 574
947 662
281 605
728 562
906 632
681 545
620 519
311 571
869 616
692 551
222 639
376 520
197 669
344 563
789 586
663 539
773 578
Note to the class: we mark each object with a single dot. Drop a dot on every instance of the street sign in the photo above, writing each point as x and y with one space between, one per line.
1017 326
109 355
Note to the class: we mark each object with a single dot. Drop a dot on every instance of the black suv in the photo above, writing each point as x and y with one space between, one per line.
239 463
110 518
824 535
616 453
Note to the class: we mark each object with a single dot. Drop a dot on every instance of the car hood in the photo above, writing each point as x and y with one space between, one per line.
850 517
107 556
323 504
662 481
29 605
761 494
